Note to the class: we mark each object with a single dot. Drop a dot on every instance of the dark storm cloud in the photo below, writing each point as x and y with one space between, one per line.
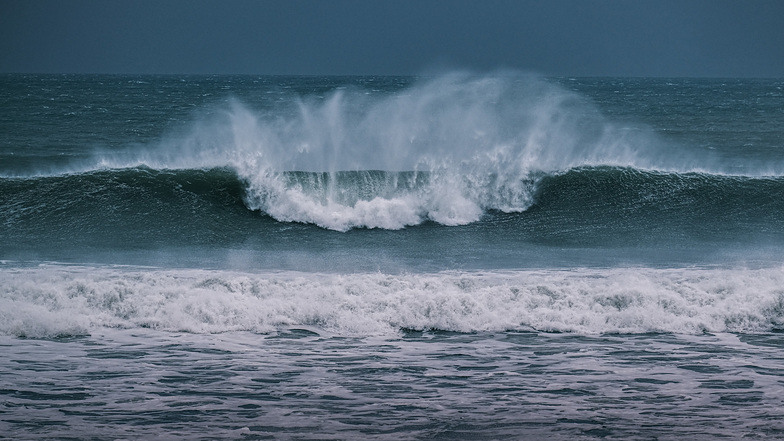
558 37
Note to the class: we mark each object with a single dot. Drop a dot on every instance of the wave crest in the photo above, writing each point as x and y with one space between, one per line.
479 140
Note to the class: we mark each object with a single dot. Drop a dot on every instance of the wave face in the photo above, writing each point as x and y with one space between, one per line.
581 205
452 171
477 141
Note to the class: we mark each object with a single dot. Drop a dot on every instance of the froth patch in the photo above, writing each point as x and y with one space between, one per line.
391 214
52 301
398 209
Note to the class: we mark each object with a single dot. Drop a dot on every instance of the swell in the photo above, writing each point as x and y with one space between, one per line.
453 150
214 205
122 207
626 204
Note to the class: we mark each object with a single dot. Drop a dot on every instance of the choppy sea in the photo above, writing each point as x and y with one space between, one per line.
457 256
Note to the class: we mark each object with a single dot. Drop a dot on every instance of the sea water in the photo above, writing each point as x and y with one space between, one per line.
458 256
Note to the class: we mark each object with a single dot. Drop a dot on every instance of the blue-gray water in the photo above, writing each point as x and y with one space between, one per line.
457 257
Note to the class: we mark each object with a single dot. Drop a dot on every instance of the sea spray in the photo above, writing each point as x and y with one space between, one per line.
448 149
472 143
639 294
479 140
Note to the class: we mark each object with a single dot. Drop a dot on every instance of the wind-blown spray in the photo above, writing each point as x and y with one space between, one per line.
446 150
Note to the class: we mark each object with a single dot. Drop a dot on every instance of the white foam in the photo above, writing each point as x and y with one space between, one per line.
481 138
459 128
56 300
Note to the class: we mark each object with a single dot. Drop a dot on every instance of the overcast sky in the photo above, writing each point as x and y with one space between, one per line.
551 37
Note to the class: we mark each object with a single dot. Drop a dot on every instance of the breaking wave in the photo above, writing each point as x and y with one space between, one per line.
446 149
55 300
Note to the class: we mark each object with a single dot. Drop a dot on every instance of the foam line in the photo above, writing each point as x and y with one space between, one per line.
53 300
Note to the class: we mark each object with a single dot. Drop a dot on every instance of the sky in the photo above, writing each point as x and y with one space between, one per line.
674 38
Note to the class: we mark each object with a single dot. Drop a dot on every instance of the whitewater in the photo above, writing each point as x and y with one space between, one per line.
75 300
459 256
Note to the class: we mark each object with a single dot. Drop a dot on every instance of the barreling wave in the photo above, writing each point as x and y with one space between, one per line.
379 199
50 301
450 150
195 202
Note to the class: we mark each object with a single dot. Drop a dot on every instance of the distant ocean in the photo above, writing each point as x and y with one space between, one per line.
462 256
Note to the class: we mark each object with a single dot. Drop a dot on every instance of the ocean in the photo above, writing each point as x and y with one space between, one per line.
453 256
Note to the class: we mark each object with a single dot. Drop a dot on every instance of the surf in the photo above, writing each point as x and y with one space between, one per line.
448 149
477 139
51 300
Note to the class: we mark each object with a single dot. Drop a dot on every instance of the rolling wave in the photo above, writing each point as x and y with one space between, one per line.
49 301
497 152
619 197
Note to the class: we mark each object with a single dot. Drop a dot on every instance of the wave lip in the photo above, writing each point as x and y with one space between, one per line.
446 149
50 300
477 139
